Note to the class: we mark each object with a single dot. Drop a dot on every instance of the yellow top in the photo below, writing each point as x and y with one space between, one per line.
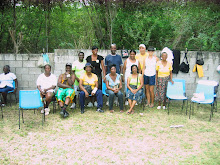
141 58
89 80
163 71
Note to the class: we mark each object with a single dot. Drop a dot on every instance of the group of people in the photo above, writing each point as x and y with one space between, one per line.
85 78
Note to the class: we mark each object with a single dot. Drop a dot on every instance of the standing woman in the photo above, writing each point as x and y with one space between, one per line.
163 75
96 61
135 91
127 68
149 72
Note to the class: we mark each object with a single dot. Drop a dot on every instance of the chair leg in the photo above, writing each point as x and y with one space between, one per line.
183 104
1 109
22 115
186 106
168 106
34 111
211 113
190 109
19 118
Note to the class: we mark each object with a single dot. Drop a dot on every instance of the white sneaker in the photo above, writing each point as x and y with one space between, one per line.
126 102
95 104
136 103
164 107
90 105
73 106
107 103
42 111
47 111
159 107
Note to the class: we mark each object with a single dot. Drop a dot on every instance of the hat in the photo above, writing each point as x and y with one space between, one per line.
142 45
88 64
68 64
151 48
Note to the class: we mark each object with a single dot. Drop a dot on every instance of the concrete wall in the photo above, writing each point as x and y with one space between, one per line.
26 70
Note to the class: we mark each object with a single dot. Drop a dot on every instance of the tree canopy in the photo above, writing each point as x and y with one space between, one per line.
31 25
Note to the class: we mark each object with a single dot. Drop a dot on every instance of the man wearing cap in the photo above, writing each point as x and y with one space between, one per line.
142 55
88 85
65 93
113 58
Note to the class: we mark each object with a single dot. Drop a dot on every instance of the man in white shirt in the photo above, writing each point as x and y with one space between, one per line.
46 84
6 83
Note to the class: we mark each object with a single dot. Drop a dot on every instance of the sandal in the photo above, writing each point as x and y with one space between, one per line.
132 112
121 111
111 111
151 105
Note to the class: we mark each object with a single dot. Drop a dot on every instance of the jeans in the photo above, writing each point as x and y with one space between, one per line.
111 98
98 95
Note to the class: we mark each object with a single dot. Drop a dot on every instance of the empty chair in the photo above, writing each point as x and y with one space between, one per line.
205 95
29 99
176 92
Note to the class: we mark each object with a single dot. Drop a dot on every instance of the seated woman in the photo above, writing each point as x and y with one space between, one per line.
88 85
6 83
114 85
135 83
163 75
46 84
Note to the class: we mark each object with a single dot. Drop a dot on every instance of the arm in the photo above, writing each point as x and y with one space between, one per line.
120 85
82 88
171 77
124 68
142 83
156 76
77 78
103 69
59 84
52 87
139 67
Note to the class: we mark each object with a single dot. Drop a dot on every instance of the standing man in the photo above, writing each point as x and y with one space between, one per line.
78 70
142 55
65 93
113 58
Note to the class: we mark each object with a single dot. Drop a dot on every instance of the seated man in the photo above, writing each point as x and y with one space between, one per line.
46 84
6 83
88 85
65 93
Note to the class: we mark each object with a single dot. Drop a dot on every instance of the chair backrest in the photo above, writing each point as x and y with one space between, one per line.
13 87
183 82
104 88
29 99
208 90
175 89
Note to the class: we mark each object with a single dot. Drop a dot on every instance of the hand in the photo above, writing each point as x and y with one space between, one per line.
92 94
172 81
15 90
43 92
86 94
116 90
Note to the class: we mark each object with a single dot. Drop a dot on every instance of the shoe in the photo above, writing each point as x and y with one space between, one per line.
107 103
62 112
136 104
111 111
126 102
42 111
90 105
159 107
82 111
100 110
66 114
3 104
73 106
164 107
95 104
47 111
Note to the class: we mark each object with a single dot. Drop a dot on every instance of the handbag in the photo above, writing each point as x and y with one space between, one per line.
200 60
184 67
88 88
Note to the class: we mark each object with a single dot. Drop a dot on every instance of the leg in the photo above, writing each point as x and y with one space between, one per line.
132 106
120 100
48 99
152 95
82 100
99 98
147 90
111 99
4 95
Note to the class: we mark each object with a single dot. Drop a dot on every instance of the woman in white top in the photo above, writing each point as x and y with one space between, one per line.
149 73
127 67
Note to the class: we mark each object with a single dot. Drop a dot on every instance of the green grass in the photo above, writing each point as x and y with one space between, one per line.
106 138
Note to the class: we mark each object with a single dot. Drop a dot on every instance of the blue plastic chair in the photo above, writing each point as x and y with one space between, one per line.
12 92
176 92
209 97
29 99
104 88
